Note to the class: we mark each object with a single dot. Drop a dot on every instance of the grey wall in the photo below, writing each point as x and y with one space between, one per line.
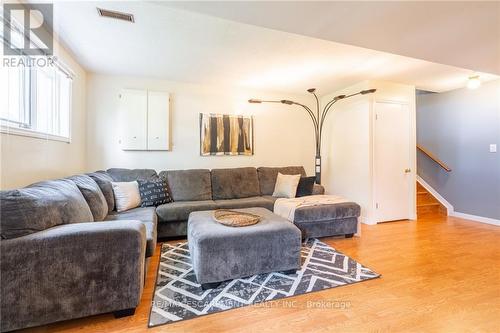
458 127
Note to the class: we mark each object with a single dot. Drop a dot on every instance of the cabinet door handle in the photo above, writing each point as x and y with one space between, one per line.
135 137
157 137
407 170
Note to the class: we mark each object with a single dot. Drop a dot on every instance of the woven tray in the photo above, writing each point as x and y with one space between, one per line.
235 219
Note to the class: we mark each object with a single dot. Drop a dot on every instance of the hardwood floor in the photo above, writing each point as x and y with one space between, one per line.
439 274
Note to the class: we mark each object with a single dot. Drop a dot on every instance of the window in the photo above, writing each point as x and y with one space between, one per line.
37 100
34 100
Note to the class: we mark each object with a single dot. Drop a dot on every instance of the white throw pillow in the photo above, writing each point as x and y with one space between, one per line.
286 186
126 195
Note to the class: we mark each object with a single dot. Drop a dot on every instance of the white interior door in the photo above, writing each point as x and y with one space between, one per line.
392 174
134 108
158 120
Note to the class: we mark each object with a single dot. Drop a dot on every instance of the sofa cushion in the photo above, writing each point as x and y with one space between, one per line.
286 186
180 210
93 195
147 215
127 195
129 175
189 185
306 186
104 181
154 192
235 183
327 212
41 206
245 203
271 198
267 176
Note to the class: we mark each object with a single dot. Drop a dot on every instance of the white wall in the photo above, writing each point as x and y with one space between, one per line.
25 160
283 135
348 142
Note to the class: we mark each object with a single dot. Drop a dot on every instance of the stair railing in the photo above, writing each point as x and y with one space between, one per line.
434 158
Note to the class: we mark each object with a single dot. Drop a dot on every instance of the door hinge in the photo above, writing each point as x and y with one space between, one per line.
376 116
376 205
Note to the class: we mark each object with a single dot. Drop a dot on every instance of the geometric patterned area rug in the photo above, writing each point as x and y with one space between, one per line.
178 296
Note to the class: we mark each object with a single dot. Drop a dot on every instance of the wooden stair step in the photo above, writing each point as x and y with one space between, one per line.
427 203
425 199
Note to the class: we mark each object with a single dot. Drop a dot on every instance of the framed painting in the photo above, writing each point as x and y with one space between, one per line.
226 135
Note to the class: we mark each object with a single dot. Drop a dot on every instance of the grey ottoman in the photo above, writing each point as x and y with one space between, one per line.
220 253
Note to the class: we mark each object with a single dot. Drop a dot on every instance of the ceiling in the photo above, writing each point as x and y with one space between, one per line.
180 45
463 34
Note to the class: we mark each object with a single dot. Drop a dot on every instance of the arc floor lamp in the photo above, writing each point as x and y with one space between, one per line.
318 119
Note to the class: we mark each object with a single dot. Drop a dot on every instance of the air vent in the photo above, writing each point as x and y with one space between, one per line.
115 15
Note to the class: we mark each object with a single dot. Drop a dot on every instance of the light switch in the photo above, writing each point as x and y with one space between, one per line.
493 148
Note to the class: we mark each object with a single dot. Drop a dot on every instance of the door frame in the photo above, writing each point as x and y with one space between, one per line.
412 195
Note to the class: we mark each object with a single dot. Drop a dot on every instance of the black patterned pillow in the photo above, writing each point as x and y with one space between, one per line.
154 192
305 187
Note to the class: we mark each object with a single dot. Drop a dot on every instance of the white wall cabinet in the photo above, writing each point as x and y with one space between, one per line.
145 122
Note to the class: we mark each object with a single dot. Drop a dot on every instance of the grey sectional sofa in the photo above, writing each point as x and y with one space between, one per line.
66 253
203 189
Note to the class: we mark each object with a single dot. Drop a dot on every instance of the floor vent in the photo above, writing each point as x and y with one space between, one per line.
115 15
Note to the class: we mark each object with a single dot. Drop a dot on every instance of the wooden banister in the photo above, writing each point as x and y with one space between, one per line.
434 158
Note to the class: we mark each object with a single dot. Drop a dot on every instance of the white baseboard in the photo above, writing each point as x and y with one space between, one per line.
451 211
476 218
365 220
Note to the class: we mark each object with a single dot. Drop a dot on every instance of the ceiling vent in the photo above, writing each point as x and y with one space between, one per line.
115 15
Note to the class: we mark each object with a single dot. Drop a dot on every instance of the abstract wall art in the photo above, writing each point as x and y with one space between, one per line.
226 134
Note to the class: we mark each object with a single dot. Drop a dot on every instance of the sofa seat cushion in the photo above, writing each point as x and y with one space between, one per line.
41 206
235 183
245 203
129 175
189 185
147 215
180 210
271 198
267 176
93 195
327 212
104 181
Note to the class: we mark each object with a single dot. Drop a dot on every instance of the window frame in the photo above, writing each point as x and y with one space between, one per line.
8 126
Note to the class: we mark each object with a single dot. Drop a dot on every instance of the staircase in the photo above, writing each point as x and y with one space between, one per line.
427 204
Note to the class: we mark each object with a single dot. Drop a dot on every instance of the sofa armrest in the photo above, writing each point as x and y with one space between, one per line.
71 271
318 189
